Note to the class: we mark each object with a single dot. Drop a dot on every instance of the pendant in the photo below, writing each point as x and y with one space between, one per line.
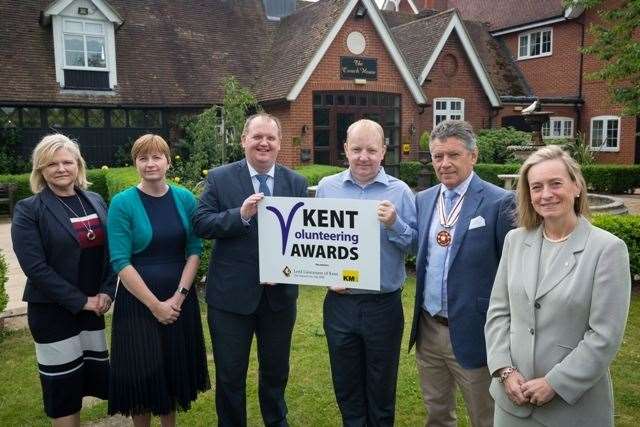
91 235
443 238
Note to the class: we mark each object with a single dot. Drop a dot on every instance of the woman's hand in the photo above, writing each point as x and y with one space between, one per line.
165 312
104 303
538 391
513 388
176 300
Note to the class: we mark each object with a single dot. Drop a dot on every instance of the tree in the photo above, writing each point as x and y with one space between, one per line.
617 44
213 137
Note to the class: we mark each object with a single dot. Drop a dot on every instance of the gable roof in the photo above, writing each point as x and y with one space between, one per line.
330 22
503 14
105 8
423 40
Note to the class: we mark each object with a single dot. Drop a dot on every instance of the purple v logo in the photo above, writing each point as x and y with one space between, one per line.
285 226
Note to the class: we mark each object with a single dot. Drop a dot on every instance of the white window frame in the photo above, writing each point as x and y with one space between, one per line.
448 112
563 121
528 35
604 120
84 34
57 23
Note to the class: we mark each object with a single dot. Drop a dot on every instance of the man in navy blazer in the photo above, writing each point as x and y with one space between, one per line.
239 306
462 223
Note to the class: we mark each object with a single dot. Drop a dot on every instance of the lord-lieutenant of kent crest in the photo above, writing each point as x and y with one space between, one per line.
462 223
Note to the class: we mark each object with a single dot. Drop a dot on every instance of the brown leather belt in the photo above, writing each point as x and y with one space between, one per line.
442 320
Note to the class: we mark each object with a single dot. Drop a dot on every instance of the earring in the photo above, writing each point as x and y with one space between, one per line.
577 195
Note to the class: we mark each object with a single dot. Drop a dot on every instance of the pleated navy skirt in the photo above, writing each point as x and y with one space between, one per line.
157 368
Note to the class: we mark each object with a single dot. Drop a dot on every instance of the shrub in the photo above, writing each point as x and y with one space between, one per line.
615 179
22 183
314 173
424 141
118 179
626 227
409 172
490 172
493 143
213 136
4 298
98 180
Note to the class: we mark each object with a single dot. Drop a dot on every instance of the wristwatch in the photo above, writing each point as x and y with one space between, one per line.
184 291
505 374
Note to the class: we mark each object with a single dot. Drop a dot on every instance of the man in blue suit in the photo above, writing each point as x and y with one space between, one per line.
462 223
239 306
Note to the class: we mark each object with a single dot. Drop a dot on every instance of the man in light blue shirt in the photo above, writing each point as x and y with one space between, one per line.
364 328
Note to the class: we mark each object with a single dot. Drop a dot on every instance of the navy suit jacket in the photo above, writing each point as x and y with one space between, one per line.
473 263
47 249
233 282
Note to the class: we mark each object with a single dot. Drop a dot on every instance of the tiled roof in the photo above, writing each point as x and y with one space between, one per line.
501 69
177 53
189 48
292 45
418 41
501 14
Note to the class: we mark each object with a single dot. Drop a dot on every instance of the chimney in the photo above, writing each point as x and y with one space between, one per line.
277 9
438 5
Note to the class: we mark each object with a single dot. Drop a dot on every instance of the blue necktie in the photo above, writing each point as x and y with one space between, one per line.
435 289
264 188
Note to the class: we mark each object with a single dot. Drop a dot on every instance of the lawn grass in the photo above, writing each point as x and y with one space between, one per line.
309 394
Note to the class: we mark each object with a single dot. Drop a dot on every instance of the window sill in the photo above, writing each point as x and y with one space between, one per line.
605 150
93 92
545 55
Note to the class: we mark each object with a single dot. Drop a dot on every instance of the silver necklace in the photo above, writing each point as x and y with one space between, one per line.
91 235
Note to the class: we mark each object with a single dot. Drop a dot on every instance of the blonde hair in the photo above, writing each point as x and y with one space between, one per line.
527 215
44 152
366 124
150 143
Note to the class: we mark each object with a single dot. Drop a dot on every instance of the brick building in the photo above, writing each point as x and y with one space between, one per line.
543 40
107 71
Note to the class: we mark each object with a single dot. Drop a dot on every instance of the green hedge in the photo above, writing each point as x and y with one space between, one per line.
4 298
614 179
314 173
626 227
95 176
118 179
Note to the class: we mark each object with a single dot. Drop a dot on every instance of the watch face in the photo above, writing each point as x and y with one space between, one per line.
184 291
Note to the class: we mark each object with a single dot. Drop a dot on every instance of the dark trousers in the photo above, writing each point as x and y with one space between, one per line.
231 335
364 332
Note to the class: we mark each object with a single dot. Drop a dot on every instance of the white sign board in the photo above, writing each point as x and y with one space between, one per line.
322 242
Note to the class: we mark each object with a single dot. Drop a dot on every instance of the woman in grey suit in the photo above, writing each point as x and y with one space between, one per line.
559 304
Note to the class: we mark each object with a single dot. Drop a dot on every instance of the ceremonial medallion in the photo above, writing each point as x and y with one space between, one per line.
443 238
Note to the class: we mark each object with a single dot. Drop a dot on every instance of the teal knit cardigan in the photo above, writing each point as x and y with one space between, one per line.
129 229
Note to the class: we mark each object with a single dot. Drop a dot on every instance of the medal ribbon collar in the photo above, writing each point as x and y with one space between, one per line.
450 220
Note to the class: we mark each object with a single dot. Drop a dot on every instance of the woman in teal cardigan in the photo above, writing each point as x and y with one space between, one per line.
158 354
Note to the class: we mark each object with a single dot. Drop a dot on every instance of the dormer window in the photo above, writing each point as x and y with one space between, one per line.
84 45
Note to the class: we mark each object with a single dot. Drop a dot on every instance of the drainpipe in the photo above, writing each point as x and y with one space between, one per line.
581 68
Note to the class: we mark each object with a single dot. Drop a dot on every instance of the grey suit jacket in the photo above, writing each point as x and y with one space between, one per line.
566 326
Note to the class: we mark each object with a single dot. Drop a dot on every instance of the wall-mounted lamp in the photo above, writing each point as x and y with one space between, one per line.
361 11
304 130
